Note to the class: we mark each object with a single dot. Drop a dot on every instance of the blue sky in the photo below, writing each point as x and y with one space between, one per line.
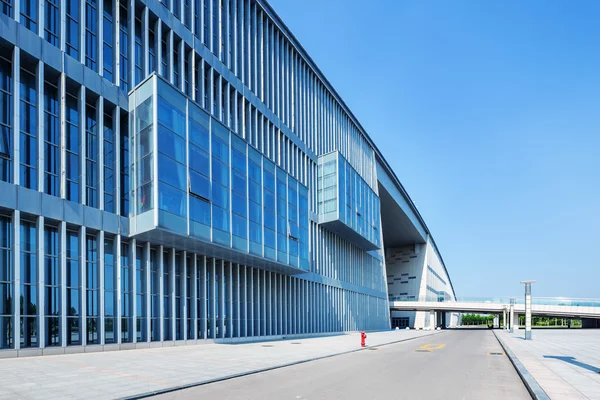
489 112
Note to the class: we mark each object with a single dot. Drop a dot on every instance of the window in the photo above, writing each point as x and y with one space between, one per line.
139 51
92 276
151 50
108 46
91 34
164 60
239 187
91 158
52 280
72 27
178 320
167 328
73 280
52 140
216 7
52 25
155 299
124 129
29 9
123 48
28 122
6 284
144 155
140 279
109 163
176 64
6 7
110 293
6 115
126 301
29 292
72 148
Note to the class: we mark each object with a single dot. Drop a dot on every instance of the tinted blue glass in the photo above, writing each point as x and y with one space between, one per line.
171 172
220 196
199 135
239 204
269 180
269 219
254 171
220 172
109 277
199 185
269 200
200 210
254 191
172 200
171 117
238 181
171 144
238 225
220 218
269 238
255 212
220 149
255 232
238 160
281 207
199 160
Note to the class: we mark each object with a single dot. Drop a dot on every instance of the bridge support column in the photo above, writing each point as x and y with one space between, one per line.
432 320
504 319
496 321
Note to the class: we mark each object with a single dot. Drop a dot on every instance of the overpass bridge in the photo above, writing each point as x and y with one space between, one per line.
586 309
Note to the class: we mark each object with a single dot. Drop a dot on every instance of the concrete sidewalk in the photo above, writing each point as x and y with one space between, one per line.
565 363
118 374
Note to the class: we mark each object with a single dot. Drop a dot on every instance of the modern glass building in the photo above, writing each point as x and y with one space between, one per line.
179 170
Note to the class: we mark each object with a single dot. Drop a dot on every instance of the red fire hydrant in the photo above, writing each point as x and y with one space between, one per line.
363 338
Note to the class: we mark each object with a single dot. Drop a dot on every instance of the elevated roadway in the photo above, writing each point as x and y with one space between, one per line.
544 307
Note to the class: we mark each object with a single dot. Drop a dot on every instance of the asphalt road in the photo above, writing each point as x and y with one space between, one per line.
452 365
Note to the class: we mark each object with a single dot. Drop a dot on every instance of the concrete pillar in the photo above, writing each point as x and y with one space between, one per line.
432 320
496 321
528 309
504 319
512 316
161 301
515 325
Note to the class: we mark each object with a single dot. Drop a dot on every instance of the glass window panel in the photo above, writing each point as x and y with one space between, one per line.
171 144
199 160
200 210
172 172
200 185
172 200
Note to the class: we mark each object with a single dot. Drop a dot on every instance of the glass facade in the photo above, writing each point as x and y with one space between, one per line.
167 193
344 196
6 118
52 293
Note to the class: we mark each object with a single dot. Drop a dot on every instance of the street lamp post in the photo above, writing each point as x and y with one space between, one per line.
527 308
511 318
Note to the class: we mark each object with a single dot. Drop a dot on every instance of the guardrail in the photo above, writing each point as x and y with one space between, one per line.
550 301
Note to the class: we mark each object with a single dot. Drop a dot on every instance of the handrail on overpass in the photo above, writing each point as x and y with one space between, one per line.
550 301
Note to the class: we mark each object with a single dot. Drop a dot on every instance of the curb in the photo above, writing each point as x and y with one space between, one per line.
258 371
534 389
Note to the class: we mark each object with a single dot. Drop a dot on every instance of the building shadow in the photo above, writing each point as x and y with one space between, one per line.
573 361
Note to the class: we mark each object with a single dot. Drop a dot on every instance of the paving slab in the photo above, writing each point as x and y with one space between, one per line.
564 362
110 375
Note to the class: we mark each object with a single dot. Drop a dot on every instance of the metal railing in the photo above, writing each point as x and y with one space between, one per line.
549 301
